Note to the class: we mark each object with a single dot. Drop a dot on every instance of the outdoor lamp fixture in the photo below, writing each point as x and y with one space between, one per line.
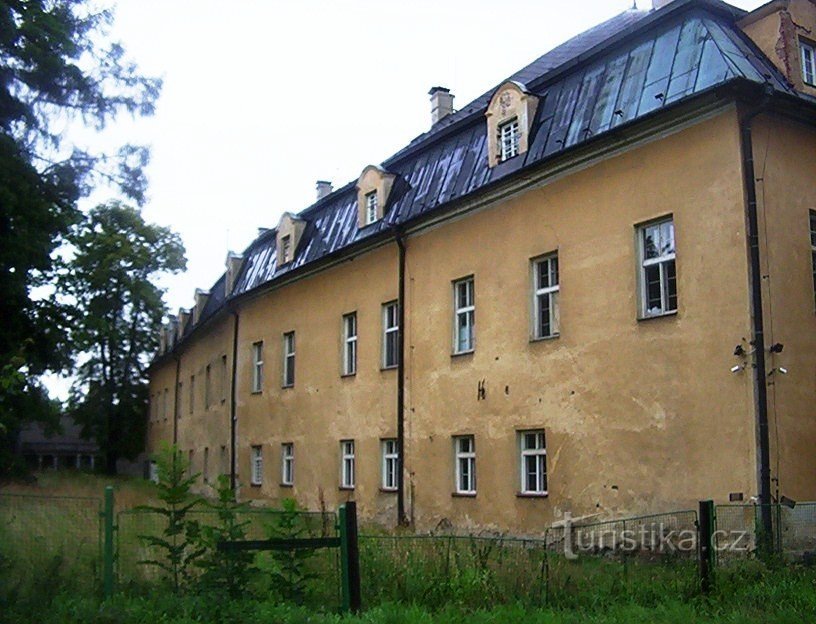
776 347
739 351
787 502
737 368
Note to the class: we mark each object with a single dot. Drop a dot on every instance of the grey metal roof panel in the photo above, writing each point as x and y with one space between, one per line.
664 62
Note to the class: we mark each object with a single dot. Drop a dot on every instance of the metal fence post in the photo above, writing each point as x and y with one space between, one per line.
349 558
107 545
706 544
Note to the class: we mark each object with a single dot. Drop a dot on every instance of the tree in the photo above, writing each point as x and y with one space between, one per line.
116 320
56 67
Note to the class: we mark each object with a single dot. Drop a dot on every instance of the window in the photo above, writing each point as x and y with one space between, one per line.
164 402
390 334
287 463
154 472
286 249
545 297
533 462
223 379
389 464
257 366
465 455
256 465
813 247
205 472
350 344
225 468
207 386
347 464
289 359
464 315
808 63
190 469
509 139
658 279
371 207
192 393
179 395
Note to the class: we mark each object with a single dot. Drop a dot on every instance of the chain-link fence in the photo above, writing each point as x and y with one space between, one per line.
739 529
50 540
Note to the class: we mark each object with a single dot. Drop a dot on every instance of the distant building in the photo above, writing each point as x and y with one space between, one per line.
591 289
67 449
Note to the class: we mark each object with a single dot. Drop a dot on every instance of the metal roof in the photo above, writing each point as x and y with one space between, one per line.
585 89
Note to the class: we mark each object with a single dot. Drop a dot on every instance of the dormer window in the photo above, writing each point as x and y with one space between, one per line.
509 139
371 207
808 63
286 249
510 117
373 187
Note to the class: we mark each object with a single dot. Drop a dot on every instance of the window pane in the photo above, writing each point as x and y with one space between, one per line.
654 302
667 238
544 327
544 274
671 285
650 242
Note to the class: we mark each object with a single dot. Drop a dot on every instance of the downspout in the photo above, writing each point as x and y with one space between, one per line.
233 416
758 332
402 519
177 402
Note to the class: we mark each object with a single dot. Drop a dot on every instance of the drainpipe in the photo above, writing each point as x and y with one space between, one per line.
402 519
177 400
758 332
233 417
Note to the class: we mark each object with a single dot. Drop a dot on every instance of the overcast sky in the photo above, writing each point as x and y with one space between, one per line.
262 98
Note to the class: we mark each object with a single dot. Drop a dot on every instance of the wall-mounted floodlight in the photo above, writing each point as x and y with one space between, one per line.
783 370
737 368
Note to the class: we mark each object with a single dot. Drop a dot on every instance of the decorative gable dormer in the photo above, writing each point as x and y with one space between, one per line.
373 187
183 319
509 119
233 264
290 229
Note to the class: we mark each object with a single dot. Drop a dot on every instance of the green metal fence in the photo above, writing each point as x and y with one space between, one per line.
739 529
48 538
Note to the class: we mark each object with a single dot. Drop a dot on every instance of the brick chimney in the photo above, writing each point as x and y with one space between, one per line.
324 187
441 103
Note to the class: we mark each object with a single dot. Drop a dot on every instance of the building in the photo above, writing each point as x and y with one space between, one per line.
66 448
600 276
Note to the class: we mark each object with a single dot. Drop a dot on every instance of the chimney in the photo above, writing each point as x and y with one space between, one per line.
324 187
441 103
233 266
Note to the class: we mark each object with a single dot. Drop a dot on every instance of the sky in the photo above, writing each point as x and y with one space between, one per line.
262 98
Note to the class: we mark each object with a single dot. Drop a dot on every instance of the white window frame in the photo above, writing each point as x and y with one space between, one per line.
464 311
548 293
390 464
536 453
288 380
349 344
808 56
347 467
509 139
663 261
390 318
371 207
257 367
464 453
256 465
287 463
812 218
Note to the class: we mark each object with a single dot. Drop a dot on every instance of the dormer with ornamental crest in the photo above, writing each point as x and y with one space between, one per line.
373 187
509 116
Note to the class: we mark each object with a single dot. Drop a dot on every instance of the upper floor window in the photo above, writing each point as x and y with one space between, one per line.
464 315
371 207
164 402
658 277
286 249
256 465
465 454
389 464
808 63
533 456
813 247
224 378
545 297
207 386
390 334
509 139
192 393
350 344
347 464
289 359
257 366
287 463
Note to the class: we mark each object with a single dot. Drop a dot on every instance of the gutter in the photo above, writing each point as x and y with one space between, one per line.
402 519
233 415
757 329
